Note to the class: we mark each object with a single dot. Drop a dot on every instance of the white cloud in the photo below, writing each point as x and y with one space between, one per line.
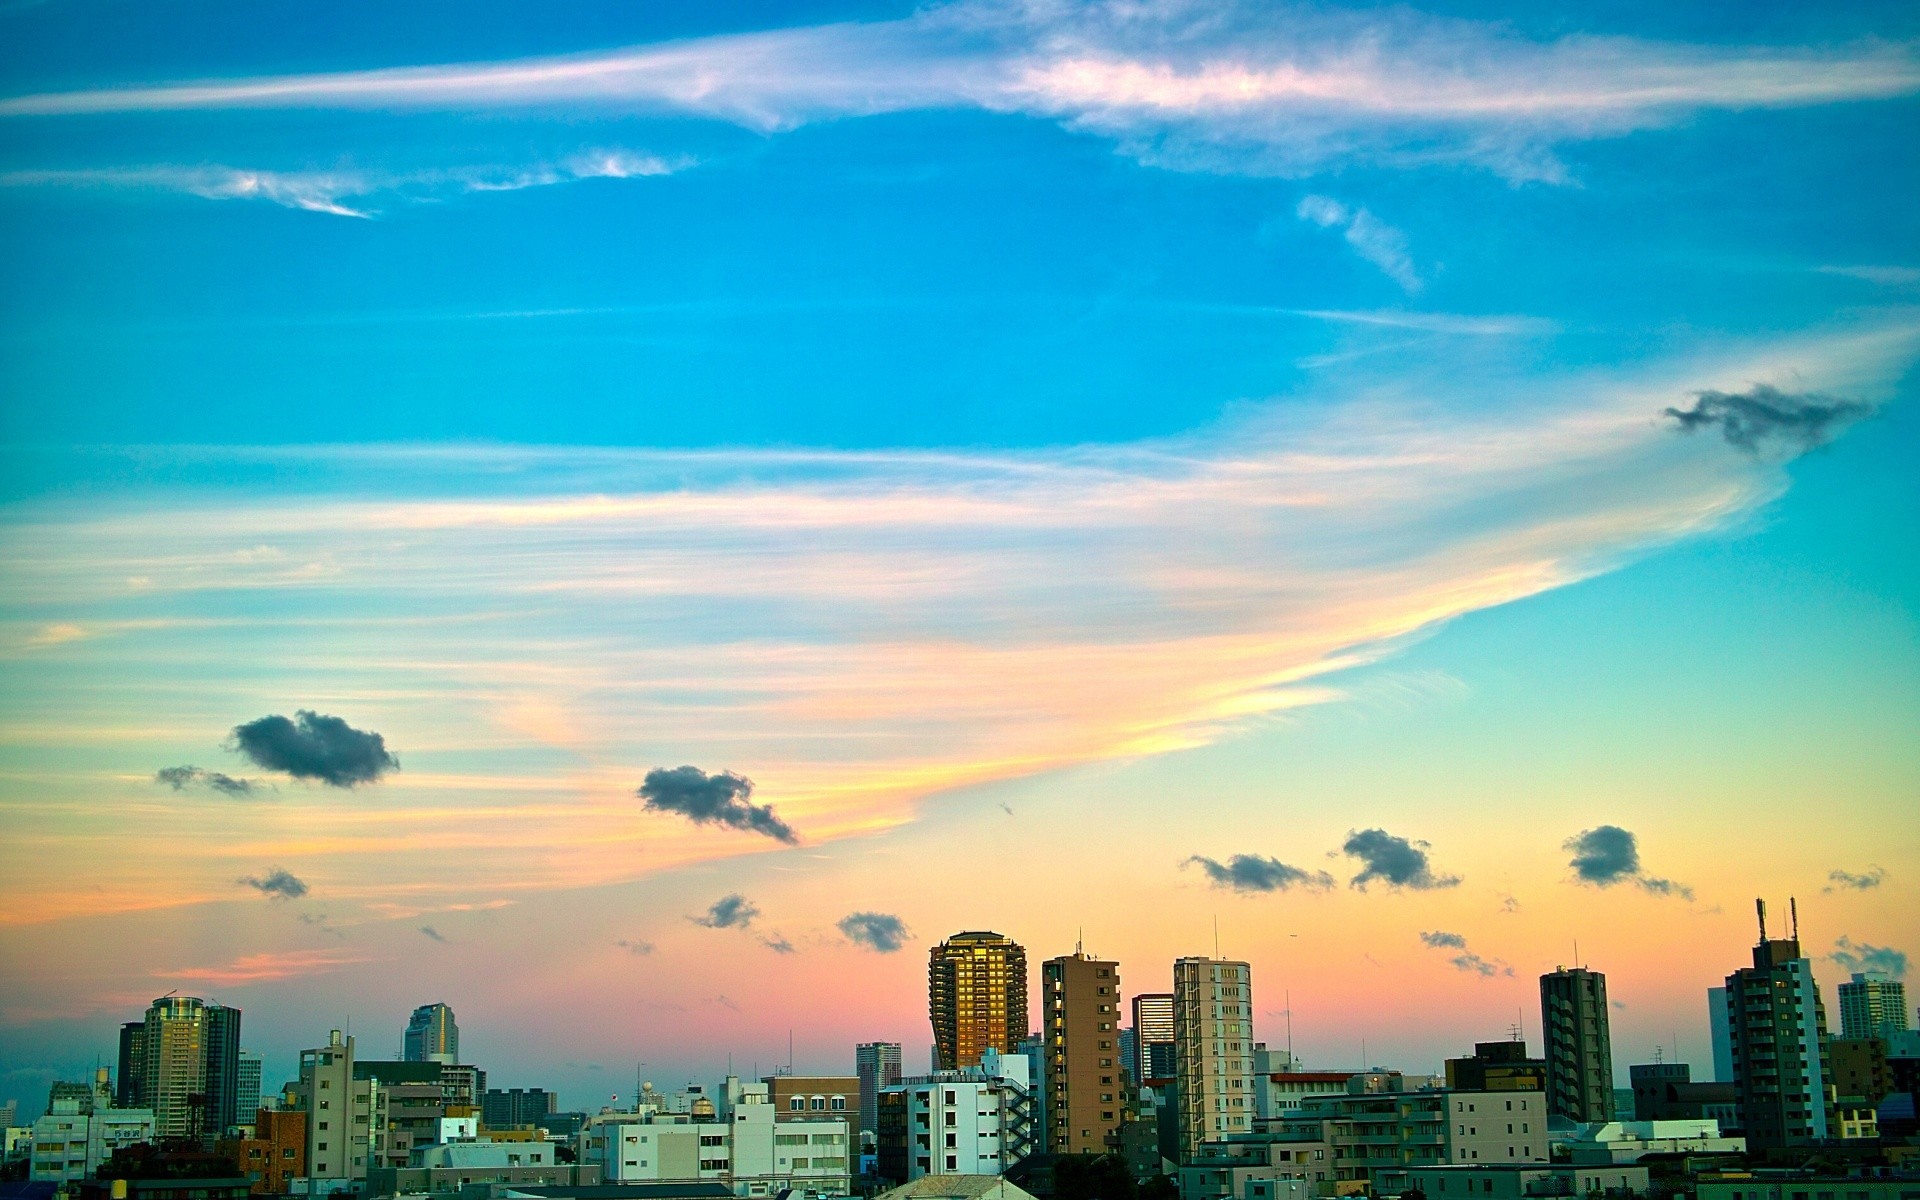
1371 238
1254 88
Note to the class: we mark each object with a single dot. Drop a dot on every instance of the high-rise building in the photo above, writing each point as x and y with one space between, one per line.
190 1076
1579 1053
1086 1078
246 1101
339 1110
1213 1050
1720 1034
1777 1028
1873 1005
130 1084
432 1035
976 997
878 1065
1153 1030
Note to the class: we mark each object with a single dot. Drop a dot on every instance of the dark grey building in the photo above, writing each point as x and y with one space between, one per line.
223 1069
129 1086
1579 1053
878 1065
1777 1026
515 1108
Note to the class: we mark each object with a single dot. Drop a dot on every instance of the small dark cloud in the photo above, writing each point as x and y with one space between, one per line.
1607 854
1509 904
724 1001
1395 861
882 932
314 746
279 884
777 943
1852 956
1440 939
728 912
320 921
1006 808
433 933
719 799
1473 964
1847 881
180 778
635 946
1621 1005
1256 873
1763 417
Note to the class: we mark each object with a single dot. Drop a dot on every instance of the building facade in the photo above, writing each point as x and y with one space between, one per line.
1579 1046
275 1155
1213 1050
797 1096
130 1083
1497 1067
340 1115
744 1148
1153 1036
1873 1004
976 998
190 1067
972 1122
516 1108
1086 1083
877 1065
246 1101
76 1135
432 1035
1777 1031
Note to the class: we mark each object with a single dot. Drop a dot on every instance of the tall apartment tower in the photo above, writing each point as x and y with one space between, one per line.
878 1065
432 1035
1872 1005
1212 1049
246 1102
337 1142
1153 1036
976 998
1573 1012
129 1089
1086 1077
186 1073
1777 1028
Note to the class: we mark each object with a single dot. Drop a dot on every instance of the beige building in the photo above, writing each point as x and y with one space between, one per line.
1213 1050
1085 1079
976 998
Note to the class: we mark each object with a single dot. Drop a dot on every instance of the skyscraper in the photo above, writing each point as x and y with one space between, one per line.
130 1085
1153 1030
1213 1049
223 1069
1873 1005
173 1079
878 1065
976 997
432 1035
1086 1080
1573 1012
246 1103
1777 1027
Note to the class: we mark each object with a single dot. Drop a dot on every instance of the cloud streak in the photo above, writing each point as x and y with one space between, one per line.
1849 881
1853 956
1763 418
732 911
1372 239
277 884
1255 88
181 778
1466 960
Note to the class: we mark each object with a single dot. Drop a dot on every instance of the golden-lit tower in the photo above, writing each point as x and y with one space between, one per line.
976 997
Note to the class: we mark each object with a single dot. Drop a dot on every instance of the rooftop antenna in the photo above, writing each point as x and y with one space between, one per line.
1289 1000
1216 935
1659 1053
1760 906
1080 942
1576 954
789 1050
1793 916
1363 1054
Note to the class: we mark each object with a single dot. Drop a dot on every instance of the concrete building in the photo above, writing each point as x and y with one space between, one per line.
130 1083
1086 1083
69 1144
1368 1132
276 1152
1618 1142
1153 1035
1667 1092
406 1116
432 1035
744 1147
876 1065
1859 1074
1579 1046
1720 1034
174 1077
1796 1185
223 1072
458 1168
1515 1181
1777 1030
1873 1004
972 1122
1213 1050
976 998
340 1112
1498 1067
1280 1093
956 1187
516 1108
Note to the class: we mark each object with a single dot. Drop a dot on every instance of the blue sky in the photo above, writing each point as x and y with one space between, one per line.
921 411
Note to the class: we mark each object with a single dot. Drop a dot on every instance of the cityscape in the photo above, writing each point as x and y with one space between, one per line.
959 600
1116 1092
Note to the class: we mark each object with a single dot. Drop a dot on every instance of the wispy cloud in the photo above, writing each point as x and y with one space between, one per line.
1850 881
1466 960
1850 955
1269 89
1371 238
277 884
262 968
346 192
864 630
732 911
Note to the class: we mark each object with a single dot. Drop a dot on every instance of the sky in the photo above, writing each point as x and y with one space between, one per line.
635 521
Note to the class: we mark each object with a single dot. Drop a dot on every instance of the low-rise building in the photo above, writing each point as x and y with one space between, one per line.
744 1147
1512 1181
797 1096
1786 1185
1631 1141
1366 1133
975 1121
81 1132
273 1153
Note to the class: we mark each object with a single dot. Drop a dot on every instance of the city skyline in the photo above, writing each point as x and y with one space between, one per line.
638 528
